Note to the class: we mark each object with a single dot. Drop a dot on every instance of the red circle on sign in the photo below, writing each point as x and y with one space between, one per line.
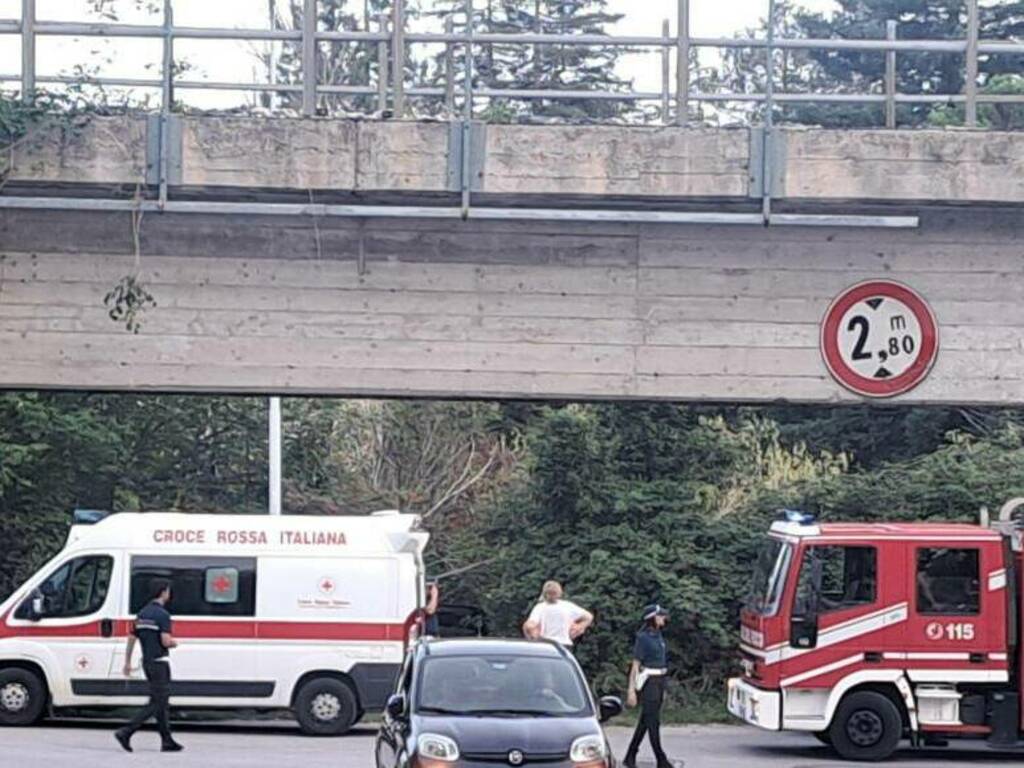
926 351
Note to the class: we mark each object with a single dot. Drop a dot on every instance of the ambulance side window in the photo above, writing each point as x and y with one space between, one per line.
849 577
948 581
200 586
77 588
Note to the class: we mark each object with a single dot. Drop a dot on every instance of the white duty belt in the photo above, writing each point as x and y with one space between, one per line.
645 674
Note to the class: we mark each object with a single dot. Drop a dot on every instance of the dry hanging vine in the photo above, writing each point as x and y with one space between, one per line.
129 298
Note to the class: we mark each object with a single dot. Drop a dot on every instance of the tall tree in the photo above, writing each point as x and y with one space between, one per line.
338 63
832 71
541 67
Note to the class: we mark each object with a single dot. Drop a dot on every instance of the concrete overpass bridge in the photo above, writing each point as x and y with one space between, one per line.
403 258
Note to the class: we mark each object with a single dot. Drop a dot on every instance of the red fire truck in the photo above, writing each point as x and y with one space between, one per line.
867 634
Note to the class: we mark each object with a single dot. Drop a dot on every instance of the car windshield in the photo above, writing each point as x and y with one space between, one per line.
769 577
501 686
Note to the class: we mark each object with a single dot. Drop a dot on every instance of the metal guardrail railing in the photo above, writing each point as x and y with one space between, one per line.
391 92
392 39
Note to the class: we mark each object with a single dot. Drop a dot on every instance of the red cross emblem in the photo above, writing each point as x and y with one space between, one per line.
221 584
82 662
326 585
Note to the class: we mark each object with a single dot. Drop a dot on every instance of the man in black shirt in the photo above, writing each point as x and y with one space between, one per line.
153 632
647 675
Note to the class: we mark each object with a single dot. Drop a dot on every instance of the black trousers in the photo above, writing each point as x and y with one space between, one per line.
651 698
158 675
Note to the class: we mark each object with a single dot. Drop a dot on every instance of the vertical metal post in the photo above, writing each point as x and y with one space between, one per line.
309 45
28 50
449 67
274 491
890 76
398 52
769 116
467 114
383 76
971 79
273 97
683 64
666 72
167 96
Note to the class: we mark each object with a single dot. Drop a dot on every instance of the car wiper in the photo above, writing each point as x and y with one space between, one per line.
514 713
444 711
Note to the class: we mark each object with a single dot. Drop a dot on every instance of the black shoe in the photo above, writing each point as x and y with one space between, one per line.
171 746
628 762
124 739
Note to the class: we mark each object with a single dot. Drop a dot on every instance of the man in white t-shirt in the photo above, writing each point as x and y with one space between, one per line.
556 619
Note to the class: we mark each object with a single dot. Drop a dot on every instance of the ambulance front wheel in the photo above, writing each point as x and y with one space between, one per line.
325 706
867 726
22 697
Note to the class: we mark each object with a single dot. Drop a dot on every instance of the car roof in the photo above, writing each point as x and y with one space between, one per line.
475 646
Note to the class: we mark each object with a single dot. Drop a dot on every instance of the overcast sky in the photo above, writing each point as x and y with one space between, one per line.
237 61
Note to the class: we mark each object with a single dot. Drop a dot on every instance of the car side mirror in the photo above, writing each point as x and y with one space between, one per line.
395 708
610 706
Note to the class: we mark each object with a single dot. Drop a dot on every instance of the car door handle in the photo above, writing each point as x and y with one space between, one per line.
106 628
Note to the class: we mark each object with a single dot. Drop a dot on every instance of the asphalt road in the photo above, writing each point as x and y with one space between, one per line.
90 745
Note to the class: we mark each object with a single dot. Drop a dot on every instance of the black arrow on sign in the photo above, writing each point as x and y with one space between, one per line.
883 373
875 303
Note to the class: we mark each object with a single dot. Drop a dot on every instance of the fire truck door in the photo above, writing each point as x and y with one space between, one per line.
958 613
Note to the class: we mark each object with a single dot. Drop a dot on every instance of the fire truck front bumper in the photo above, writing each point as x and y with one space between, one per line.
755 705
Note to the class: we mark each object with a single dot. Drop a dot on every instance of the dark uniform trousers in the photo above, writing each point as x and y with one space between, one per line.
158 675
651 698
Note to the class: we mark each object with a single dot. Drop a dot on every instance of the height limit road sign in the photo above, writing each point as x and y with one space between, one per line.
879 339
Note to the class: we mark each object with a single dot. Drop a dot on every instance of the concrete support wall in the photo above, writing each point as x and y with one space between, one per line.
415 308
661 163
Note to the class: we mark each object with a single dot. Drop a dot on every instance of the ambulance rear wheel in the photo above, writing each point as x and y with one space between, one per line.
22 697
325 706
867 726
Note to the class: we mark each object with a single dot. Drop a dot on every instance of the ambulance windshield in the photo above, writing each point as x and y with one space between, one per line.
769 577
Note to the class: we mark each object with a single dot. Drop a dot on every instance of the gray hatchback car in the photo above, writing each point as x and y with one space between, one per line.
485 703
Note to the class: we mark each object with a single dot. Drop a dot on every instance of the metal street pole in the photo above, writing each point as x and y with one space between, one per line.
275 456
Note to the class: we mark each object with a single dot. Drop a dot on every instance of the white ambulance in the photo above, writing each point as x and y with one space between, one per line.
311 614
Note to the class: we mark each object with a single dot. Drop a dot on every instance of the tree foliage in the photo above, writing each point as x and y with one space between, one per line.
863 72
623 503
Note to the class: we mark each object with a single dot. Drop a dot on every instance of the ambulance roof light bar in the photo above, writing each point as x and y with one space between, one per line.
89 516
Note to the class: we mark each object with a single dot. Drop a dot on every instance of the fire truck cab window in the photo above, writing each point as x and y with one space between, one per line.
849 577
948 581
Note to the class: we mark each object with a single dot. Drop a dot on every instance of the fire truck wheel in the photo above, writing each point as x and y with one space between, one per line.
326 706
866 726
22 697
